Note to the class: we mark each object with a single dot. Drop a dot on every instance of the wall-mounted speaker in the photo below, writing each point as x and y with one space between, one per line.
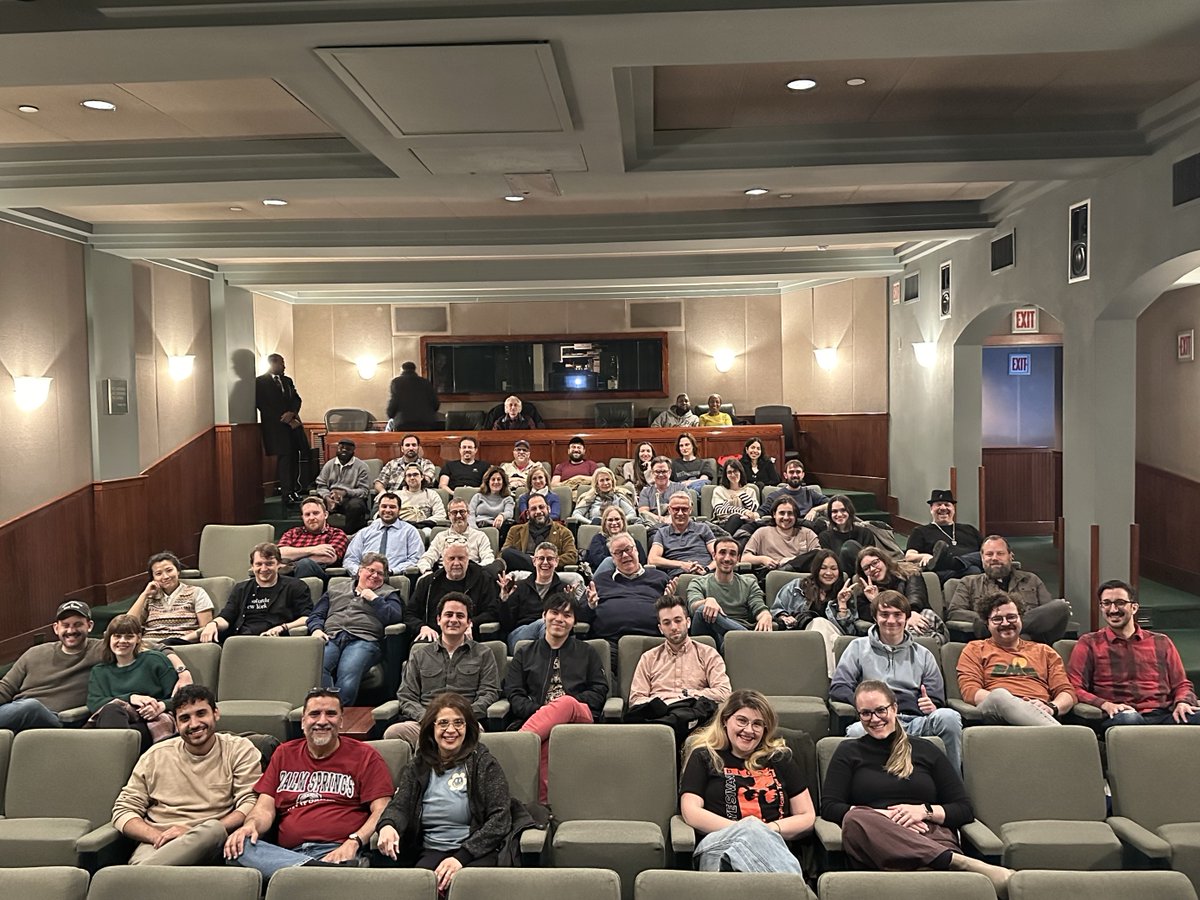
1079 262
912 287
944 298
1004 251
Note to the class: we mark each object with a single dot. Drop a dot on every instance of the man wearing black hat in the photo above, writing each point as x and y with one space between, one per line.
946 547
345 484
51 677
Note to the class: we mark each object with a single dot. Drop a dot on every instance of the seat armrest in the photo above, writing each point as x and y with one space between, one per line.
1087 713
983 838
337 572
498 711
533 842
829 834
582 627
296 631
683 836
76 715
386 711
489 628
296 714
614 709
97 839
397 629
1140 838
190 573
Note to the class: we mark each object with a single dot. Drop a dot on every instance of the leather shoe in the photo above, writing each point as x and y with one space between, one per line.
935 556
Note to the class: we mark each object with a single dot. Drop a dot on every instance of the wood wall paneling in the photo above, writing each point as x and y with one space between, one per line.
853 444
240 479
46 556
182 496
1167 508
122 533
1023 489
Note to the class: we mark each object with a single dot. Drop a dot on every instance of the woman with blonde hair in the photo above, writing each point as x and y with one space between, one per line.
898 798
538 482
743 791
603 493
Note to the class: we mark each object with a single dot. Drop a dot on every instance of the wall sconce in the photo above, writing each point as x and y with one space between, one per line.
723 360
926 353
181 367
366 367
31 392
826 357
264 364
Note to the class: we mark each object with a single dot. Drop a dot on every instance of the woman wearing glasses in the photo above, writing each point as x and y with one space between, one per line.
452 807
742 789
897 798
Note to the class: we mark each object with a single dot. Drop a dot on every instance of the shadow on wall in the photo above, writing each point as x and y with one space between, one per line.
241 389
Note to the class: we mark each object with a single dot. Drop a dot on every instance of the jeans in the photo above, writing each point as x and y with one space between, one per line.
20 715
307 568
715 629
1150 717
943 723
269 858
531 631
346 660
607 565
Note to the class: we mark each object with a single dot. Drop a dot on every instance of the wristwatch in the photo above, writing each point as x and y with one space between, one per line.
181 668
353 836
928 810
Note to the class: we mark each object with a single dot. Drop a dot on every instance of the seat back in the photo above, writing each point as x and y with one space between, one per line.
225 549
348 418
396 753
617 465
566 504
1138 759
933 587
776 580
583 537
613 415
638 531
840 643
518 753
661 884
44 883
951 651
6 739
123 882
1064 649
203 661
310 883
500 651
706 501
536 884
1035 884
652 413
780 663
465 492
99 763
218 588
264 668
374 467
701 408
1063 780
906 886
778 415
464 419
948 591
590 776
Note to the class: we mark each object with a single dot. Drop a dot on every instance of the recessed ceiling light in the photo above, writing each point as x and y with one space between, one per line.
856 82
103 105
274 201
236 208
514 198
801 84
27 108
756 191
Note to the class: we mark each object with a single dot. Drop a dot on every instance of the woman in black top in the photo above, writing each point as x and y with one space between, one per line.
897 798
843 536
759 467
879 571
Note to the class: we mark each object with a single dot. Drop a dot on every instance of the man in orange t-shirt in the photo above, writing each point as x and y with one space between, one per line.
1013 682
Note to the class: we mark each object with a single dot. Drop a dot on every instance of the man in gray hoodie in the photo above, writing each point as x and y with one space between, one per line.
890 655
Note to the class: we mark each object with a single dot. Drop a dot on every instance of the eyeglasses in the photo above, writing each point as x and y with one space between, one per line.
1011 618
332 691
879 712
623 551
456 724
1114 604
752 724
374 573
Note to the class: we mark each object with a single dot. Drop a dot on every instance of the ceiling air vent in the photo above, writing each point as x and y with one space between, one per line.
658 315
424 319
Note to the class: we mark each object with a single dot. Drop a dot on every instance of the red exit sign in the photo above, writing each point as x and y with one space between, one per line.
1025 321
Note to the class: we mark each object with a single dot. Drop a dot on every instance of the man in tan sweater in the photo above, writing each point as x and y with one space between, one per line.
185 796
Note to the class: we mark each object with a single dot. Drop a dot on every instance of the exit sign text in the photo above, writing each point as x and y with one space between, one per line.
1019 363
1025 321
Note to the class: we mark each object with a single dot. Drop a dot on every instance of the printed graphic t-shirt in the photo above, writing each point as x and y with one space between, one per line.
323 799
737 792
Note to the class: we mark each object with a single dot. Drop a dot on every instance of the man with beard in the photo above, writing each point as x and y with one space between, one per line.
522 603
1044 620
391 476
678 416
479 548
326 791
315 545
680 682
185 796
387 536
344 484
805 497
787 543
576 473
459 574
517 552
725 601
51 677
1135 676
467 470
1013 681
946 547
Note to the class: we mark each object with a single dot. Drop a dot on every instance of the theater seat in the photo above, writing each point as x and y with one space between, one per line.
790 668
519 755
59 795
227 883
44 883
225 550
396 753
906 886
204 662
704 886
535 884
1036 885
308 883
263 682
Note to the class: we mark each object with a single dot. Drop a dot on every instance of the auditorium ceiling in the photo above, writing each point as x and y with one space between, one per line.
631 133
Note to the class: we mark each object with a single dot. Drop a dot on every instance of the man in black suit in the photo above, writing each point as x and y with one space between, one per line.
282 431
414 402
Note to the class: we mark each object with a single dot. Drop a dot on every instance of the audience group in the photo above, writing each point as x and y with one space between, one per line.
744 782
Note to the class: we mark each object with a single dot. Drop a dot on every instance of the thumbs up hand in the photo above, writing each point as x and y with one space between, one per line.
924 704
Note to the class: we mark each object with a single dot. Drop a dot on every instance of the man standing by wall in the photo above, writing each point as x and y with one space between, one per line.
414 401
282 431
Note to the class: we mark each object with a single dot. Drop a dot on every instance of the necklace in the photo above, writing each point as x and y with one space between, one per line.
949 534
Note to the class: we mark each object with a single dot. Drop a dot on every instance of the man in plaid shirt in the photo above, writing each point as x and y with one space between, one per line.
1134 675
316 545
